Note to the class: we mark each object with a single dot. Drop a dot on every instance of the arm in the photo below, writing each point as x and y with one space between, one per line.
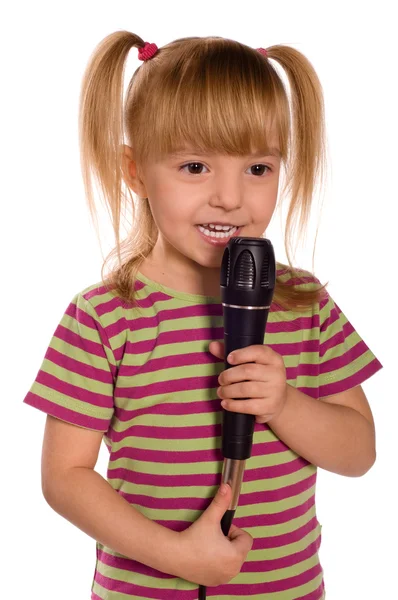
335 433
81 495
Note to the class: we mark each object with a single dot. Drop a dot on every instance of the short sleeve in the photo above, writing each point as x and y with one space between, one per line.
75 382
345 361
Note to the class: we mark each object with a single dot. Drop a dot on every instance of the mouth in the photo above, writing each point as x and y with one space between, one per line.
217 234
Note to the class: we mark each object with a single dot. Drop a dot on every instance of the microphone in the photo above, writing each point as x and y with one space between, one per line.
247 282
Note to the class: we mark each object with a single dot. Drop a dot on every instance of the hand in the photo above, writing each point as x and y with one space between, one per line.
260 376
207 556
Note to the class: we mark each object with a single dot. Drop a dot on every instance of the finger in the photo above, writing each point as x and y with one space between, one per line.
217 349
219 504
240 538
259 353
245 372
233 528
243 389
254 406
235 532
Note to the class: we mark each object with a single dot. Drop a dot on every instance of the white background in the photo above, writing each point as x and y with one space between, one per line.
50 252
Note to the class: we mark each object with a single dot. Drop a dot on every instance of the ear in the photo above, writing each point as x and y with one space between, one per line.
130 172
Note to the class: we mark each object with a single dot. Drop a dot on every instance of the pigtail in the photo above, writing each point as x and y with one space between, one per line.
101 132
306 162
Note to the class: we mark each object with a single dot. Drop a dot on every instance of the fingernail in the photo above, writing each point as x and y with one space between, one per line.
223 489
231 357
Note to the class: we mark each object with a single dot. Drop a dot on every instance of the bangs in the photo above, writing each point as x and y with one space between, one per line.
218 97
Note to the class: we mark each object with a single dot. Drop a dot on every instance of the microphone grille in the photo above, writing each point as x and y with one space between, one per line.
265 275
244 270
225 268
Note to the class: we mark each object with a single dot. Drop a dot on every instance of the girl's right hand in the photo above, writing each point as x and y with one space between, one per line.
208 557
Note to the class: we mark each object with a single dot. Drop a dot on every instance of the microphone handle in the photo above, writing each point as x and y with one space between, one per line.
242 327
248 327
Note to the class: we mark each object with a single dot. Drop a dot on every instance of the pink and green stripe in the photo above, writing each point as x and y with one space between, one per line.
146 379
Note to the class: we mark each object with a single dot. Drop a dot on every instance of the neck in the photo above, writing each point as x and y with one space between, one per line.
181 274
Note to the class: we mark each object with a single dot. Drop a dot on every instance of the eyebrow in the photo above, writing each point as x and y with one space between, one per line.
269 152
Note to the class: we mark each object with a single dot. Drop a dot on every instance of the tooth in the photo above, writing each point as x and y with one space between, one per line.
218 234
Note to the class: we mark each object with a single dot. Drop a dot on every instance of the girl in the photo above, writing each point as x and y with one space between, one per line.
137 359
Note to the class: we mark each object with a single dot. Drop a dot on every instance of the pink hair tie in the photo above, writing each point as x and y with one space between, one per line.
262 51
147 51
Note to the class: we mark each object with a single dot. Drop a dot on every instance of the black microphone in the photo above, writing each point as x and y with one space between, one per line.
247 282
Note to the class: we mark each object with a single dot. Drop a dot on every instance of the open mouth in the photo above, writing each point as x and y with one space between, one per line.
217 231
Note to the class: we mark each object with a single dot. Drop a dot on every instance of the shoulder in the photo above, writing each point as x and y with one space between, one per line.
97 294
99 299
98 305
295 276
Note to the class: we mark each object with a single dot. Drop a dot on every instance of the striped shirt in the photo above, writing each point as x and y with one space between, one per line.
146 379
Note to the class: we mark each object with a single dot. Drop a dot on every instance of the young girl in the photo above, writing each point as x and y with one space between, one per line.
137 359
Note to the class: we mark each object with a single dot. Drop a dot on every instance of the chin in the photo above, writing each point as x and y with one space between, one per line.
207 258
210 262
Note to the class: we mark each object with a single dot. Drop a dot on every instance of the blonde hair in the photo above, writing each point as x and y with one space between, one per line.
218 95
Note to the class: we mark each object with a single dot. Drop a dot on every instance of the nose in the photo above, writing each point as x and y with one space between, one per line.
226 192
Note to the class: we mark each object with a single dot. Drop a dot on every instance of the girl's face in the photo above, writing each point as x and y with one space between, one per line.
189 193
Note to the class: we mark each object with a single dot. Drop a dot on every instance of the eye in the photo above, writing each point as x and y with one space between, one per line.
196 167
260 171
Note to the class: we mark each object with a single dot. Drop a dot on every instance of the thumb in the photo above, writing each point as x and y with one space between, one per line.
217 348
220 503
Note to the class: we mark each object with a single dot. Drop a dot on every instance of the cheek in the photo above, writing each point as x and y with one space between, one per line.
171 203
170 212
265 208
